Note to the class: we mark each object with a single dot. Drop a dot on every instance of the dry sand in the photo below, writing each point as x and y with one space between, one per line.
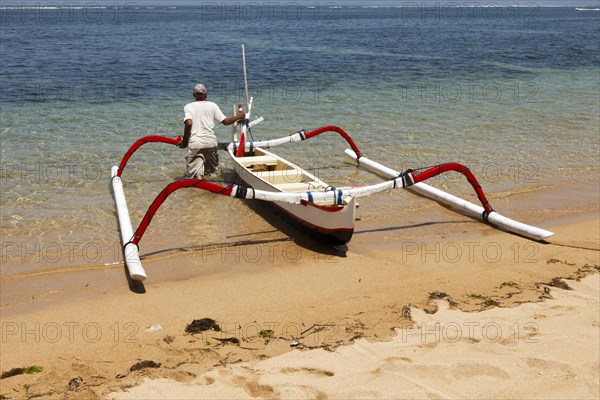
89 330
522 352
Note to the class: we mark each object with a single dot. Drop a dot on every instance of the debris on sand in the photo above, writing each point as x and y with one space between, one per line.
74 383
201 325
143 365
34 369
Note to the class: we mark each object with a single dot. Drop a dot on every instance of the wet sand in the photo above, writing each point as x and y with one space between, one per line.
292 313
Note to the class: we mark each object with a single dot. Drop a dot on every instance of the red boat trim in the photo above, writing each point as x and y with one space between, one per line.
313 226
320 207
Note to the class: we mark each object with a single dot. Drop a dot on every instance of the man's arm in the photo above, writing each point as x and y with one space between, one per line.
187 132
231 120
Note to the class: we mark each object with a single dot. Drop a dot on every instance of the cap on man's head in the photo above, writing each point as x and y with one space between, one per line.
200 90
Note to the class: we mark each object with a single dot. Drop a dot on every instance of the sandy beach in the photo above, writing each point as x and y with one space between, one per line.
523 352
436 307
423 302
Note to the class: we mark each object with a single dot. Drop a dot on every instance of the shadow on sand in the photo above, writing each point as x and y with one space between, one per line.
288 226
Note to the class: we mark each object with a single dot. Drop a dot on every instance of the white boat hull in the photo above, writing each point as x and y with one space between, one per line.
330 223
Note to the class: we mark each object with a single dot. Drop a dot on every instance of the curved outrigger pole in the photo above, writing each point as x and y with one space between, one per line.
296 137
466 207
249 145
142 141
170 189
334 196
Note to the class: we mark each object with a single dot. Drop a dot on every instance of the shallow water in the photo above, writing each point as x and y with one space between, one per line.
514 94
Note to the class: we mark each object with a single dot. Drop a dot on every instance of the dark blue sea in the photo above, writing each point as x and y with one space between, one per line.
511 91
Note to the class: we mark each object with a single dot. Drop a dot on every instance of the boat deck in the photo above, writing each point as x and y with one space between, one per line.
285 177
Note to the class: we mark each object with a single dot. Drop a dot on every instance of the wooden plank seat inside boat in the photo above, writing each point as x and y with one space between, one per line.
255 160
281 176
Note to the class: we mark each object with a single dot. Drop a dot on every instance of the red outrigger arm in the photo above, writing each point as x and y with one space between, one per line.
331 128
143 141
439 169
405 179
302 135
296 137
167 191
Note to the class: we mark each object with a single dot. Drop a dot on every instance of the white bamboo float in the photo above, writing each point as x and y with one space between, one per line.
130 251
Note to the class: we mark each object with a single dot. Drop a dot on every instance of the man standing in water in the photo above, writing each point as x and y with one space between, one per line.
198 136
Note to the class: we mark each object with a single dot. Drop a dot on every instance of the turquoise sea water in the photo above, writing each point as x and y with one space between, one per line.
513 92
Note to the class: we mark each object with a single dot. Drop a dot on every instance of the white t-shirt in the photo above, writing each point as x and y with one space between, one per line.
203 115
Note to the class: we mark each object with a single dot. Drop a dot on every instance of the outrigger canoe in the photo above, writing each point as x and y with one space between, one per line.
325 212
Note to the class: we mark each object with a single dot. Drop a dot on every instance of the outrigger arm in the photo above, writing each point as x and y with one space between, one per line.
333 196
296 137
483 214
130 250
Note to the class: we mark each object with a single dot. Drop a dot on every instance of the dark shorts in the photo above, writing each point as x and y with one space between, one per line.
201 162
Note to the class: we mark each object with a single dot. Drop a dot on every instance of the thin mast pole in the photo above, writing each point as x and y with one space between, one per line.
245 76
